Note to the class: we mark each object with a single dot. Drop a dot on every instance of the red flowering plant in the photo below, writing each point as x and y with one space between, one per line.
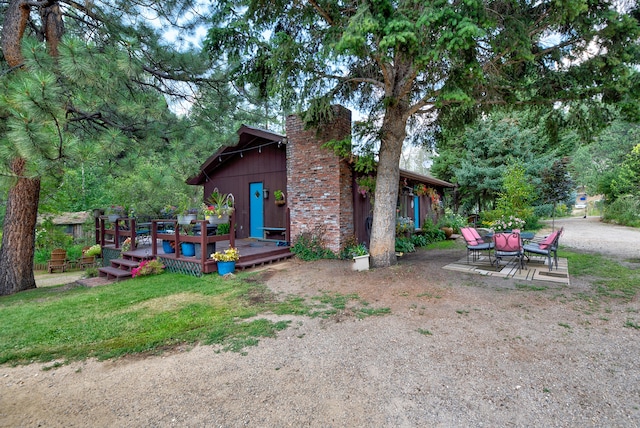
148 267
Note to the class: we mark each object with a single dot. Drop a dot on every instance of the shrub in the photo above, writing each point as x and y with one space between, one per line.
353 249
223 229
310 246
148 267
419 240
404 224
452 220
624 210
432 232
404 245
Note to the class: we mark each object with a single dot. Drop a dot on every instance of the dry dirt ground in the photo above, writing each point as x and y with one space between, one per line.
456 350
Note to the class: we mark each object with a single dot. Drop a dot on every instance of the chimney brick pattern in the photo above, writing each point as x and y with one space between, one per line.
319 183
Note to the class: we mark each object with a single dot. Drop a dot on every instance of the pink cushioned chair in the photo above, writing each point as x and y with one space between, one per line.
508 245
547 247
475 244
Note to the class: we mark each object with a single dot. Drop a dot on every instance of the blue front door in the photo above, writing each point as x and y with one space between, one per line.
256 208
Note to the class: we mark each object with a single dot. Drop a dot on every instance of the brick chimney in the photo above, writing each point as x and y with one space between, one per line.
319 183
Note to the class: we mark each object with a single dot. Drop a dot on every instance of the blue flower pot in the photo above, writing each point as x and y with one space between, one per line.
166 247
226 267
188 249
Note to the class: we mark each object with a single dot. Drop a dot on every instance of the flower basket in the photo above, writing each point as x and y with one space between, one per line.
226 267
186 219
214 219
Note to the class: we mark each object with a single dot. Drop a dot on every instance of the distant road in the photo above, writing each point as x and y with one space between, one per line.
592 235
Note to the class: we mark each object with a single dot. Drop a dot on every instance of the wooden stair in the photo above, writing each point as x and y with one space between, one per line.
253 261
120 269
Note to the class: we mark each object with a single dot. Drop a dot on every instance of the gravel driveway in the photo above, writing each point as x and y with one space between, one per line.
591 235
457 350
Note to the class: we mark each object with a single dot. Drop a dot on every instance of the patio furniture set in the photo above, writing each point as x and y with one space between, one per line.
514 245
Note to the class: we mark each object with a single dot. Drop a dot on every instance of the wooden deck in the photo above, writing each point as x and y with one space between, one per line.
253 252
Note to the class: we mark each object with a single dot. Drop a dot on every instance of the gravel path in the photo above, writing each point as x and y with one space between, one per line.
457 350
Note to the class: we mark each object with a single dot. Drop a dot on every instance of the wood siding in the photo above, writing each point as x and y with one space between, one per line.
267 165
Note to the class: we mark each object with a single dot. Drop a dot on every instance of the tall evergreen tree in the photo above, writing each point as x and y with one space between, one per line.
400 59
90 96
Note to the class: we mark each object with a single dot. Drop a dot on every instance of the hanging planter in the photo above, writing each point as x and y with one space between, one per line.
280 197
214 219
218 207
186 219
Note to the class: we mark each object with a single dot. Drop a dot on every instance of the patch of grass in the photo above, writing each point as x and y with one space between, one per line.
425 332
442 245
148 315
632 324
462 312
529 287
565 325
610 278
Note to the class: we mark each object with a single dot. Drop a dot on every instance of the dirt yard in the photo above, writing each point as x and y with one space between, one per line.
456 350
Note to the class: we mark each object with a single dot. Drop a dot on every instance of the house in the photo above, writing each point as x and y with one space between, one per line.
76 224
321 190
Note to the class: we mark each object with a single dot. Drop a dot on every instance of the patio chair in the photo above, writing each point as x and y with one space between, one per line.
508 245
86 261
475 244
58 260
547 247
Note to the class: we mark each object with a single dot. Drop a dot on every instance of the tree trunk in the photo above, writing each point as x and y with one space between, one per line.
383 230
18 239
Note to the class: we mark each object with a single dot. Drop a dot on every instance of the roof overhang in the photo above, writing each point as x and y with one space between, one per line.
425 179
247 136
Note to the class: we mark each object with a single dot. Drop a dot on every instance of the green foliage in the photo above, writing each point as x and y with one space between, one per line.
599 165
309 246
353 249
49 236
431 231
496 150
223 229
452 220
404 225
624 210
419 240
404 245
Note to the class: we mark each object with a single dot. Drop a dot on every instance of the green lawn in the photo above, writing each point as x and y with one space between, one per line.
146 314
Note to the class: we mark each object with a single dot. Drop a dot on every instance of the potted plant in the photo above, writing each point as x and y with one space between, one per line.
188 249
218 207
226 260
115 212
359 254
451 223
186 213
279 197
